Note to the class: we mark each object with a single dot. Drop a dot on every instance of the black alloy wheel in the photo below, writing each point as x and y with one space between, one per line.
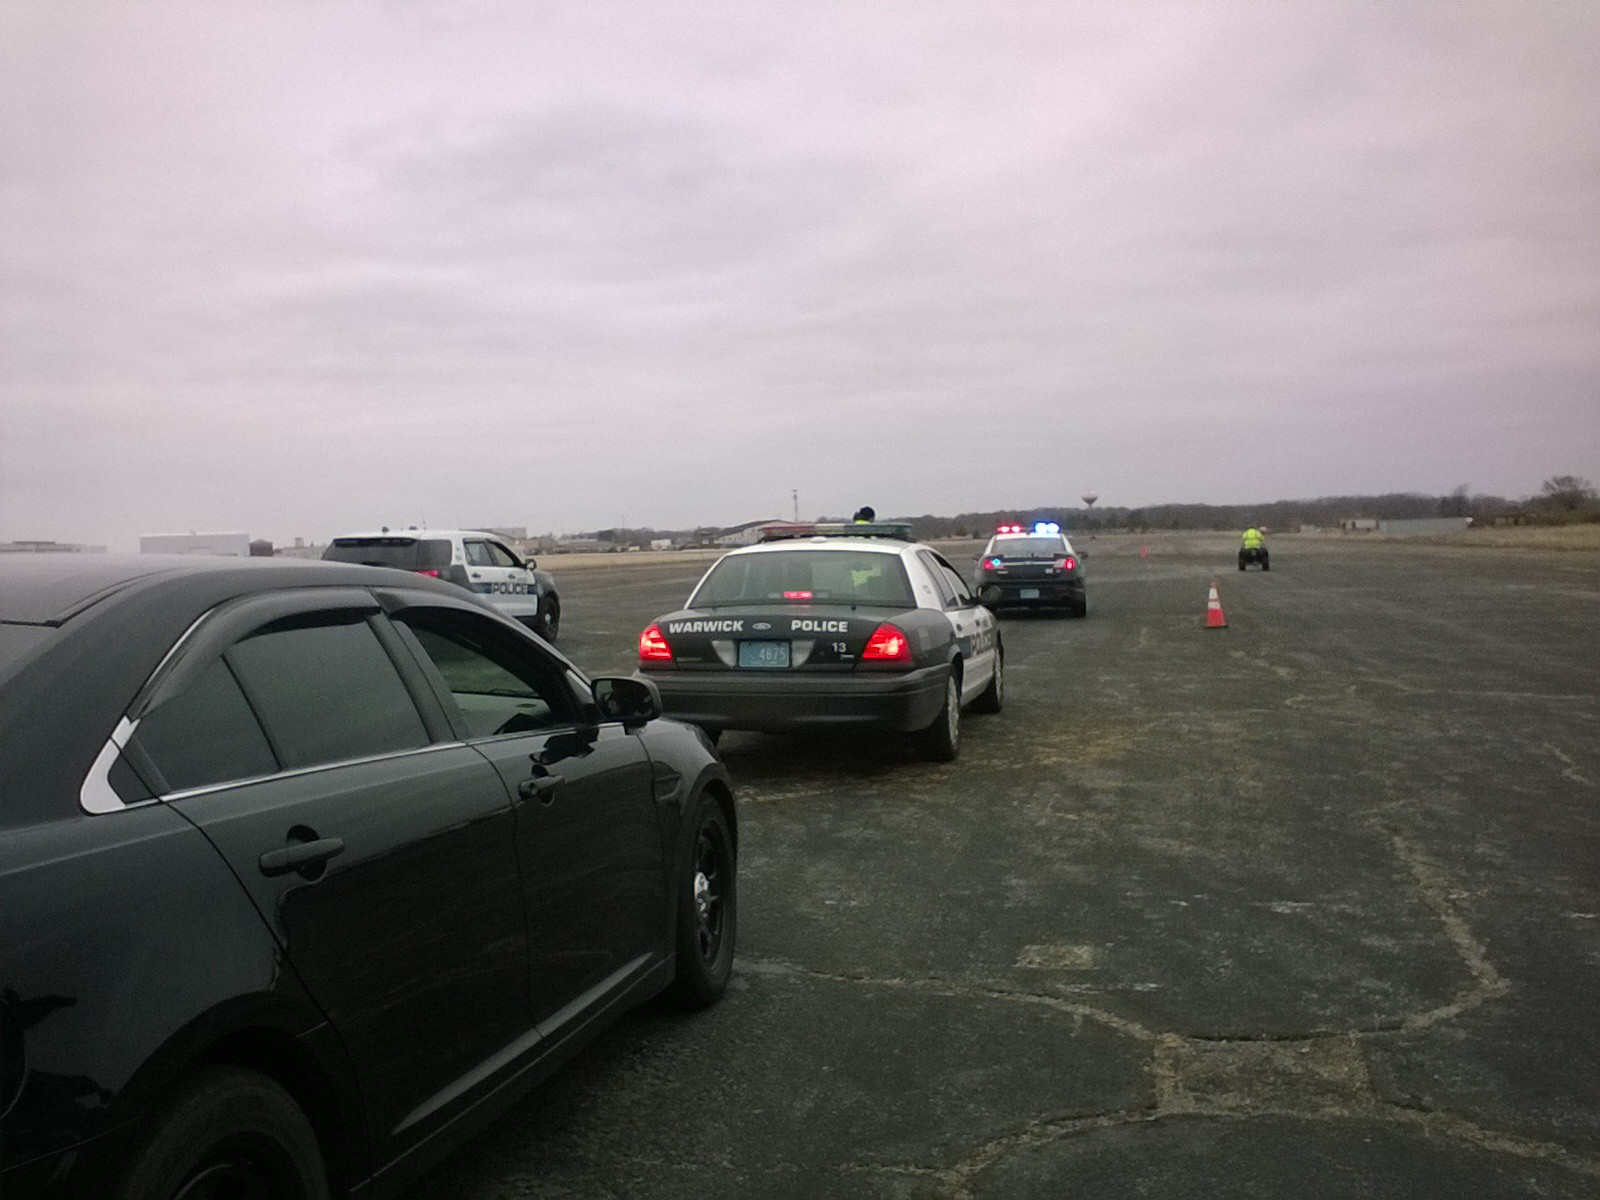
228 1134
550 619
707 911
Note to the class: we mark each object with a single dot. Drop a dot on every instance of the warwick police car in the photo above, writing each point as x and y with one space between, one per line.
1034 567
477 561
829 626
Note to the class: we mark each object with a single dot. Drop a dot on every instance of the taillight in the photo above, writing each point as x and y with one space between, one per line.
653 646
1068 563
888 643
991 564
797 596
430 572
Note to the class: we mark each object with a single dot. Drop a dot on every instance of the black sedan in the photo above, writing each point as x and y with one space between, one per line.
307 870
827 627
1034 567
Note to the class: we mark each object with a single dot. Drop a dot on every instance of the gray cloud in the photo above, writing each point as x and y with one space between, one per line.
297 267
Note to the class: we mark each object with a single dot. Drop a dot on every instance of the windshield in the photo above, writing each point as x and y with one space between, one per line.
1027 547
852 577
406 553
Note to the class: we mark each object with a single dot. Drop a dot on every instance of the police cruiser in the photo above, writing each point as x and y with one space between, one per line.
1034 567
477 561
829 626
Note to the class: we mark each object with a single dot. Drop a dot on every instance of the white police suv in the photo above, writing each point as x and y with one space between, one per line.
477 561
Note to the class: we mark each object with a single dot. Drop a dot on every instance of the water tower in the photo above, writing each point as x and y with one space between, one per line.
1089 498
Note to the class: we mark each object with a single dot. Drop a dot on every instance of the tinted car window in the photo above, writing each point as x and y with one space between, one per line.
404 552
206 734
946 594
498 683
326 690
501 556
1028 547
478 555
805 576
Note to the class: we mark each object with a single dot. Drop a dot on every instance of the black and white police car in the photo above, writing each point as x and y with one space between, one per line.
1034 567
829 626
477 561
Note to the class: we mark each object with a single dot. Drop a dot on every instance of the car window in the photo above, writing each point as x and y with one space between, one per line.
963 593
500 556
1028 547
478 554
498 682
806 577
407 553
206 734
947 596
326 690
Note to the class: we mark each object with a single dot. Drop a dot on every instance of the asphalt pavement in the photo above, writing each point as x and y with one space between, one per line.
1304 907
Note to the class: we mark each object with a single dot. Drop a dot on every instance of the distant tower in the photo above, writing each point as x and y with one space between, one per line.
795 495
1089 498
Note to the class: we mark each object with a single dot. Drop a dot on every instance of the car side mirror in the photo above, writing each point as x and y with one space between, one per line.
631 701
530 563
989 595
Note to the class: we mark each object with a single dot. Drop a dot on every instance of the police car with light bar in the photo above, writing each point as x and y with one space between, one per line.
1034 567
830 626
470 558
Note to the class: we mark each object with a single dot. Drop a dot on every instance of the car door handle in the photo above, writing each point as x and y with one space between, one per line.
302 856
542 786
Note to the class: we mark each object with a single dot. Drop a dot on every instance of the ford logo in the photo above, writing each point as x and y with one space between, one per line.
761 625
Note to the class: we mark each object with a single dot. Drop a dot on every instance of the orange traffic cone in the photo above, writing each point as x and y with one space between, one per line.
1214 617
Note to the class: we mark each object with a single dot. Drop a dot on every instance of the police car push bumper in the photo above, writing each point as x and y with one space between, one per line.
901 702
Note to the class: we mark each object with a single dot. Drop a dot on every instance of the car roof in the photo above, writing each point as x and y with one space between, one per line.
51 589
419 534
821 542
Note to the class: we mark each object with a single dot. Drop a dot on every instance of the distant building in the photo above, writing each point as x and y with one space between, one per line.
1359 525
229 545
1425 525
261 548
44 547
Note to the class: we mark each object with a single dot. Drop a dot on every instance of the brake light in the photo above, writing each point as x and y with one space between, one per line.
888 643
1068 563
797 595
653 646
430 572
992 564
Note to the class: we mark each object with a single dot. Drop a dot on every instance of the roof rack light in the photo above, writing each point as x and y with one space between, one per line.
899 531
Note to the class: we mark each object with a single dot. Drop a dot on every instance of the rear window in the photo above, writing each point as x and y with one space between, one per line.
1027 547
806 577
407 553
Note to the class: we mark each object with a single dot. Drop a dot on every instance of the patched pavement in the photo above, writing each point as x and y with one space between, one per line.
1303 907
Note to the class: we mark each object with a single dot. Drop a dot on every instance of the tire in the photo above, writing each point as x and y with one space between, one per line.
1241 564
993 697
708 912
228 1131
1080 608
1266 563
941 741
550 619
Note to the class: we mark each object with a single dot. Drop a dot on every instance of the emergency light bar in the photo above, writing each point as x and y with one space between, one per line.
899 531
1038 527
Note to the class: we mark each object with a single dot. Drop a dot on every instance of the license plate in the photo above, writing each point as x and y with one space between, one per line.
766 655
1028 593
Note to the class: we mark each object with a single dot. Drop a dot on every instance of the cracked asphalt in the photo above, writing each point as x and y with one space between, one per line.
1306 907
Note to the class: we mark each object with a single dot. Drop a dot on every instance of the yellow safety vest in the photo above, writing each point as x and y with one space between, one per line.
1252 539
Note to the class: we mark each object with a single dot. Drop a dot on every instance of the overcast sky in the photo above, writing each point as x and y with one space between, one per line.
298 268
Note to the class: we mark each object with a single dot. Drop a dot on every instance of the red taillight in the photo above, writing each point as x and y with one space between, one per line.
887 644
653 646
1068 563
991 564
797 595
431 572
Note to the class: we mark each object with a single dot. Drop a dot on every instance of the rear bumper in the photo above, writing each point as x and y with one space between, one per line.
1046 593
784 702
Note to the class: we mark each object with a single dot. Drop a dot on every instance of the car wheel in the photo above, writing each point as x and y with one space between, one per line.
1266 564
228 1132
993 697
941 741
707 911
1080 608
550 619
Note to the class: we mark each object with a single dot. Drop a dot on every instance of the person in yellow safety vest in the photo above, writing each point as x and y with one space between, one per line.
1252 551
864 515
1252 538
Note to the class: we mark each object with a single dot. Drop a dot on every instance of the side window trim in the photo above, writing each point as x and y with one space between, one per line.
931 564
